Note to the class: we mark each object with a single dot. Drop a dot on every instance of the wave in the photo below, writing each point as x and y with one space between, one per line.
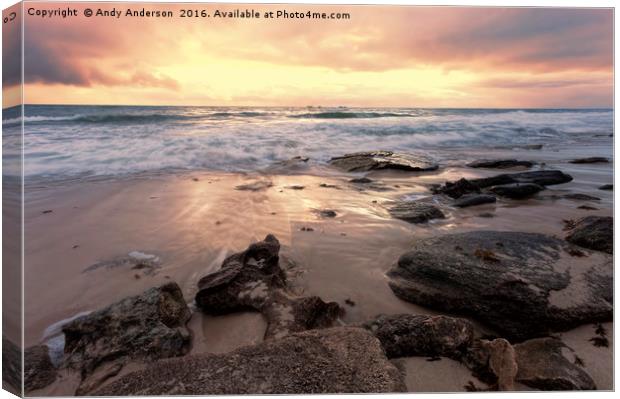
349 115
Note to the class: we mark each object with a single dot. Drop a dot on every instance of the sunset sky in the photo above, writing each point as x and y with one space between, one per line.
382 56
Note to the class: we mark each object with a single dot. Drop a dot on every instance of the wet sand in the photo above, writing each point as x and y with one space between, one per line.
193 221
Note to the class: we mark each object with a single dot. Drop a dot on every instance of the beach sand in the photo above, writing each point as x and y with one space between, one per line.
192 221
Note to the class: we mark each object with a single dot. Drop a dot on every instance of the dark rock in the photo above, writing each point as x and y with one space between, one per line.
493 362
259 185
375 160
327 213
134 261
144 327
521 284
593 232
325 185
581 197
590 160
517 190
499 163
47 211
587 208
11 366
296 187
420 335
336 360
39 371
415 211
474 199
607 187
361 180
253 280
549 365
539 177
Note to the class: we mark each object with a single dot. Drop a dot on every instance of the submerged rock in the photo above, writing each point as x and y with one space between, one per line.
473 200
144 327
517 190
593 232
420 335
39 371
548 364
415 211
521 284
253 279
581 197
375 160
336 360
499 163
259 185
361 180
590 160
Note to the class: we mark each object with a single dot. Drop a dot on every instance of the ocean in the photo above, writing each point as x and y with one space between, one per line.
80 142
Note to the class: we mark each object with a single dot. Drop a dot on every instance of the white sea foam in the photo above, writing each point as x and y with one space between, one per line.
54 338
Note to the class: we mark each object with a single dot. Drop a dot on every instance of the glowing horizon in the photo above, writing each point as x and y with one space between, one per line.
384 56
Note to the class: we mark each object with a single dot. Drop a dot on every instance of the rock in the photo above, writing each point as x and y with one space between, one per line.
327 213
415 211
499 163
521 284
593 232
420 335
361 180
581 197
325 185
296 187
259 185
336 360
144 327
517 190
539 177
587 208
548 364
590 160
11 366
375 160
39 371
253 279
294 164
608 187
494 362
474 199
135 260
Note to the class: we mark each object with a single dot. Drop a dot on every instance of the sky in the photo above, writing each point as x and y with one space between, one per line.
383 56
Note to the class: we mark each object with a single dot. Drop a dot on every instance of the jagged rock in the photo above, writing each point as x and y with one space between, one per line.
259 185
336 360
420 335
548 364
593 232
539 177
253 279
590 160
374 160
474 199
493 362
415 211
522 284
39 371
607 187
11 366
148 326
499 163
517 190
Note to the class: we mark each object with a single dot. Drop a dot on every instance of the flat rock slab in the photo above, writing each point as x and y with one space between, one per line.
337 360
593 232
548 364
377 160
144 327
474 199
253 280
415 211
499 163
421 335
517 190
523 285
590 160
